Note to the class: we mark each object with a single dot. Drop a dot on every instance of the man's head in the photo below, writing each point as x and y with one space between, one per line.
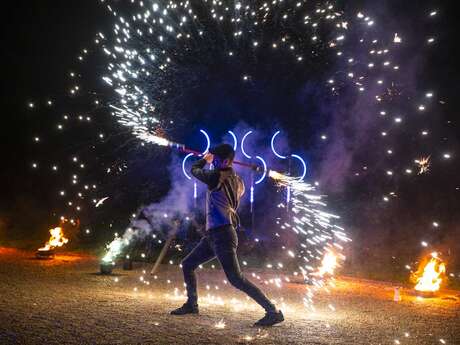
223 156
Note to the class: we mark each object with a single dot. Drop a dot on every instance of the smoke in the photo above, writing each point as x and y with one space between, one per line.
351 131
354 131
160 218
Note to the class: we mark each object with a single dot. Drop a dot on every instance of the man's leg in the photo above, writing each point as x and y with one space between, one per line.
200 254
225 242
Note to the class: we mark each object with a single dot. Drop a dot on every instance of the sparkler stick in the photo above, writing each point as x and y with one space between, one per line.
182 148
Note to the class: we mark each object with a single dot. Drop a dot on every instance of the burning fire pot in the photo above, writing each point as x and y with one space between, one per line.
427 294
430 276
57 239
127 264
44 254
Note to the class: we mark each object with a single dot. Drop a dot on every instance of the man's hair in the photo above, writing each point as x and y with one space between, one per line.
223 151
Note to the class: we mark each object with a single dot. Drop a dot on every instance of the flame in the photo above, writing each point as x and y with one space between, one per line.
328 264
57 239
431 278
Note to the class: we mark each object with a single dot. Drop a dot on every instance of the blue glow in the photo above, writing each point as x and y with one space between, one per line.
235 140
288 194
242 144
265 170
273 146
252 194
208 145
183 165
195 194
303 164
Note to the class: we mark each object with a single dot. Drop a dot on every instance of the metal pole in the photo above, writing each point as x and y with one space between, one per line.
164 250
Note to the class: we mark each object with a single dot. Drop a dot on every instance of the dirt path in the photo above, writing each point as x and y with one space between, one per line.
65 301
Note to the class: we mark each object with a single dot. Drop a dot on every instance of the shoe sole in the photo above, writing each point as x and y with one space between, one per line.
193 313
269 325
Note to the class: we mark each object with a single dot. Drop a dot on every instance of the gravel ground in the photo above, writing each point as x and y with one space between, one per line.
66 301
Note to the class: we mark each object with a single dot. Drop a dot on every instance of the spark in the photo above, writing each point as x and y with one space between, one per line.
424 164
315 227
101 201
220 324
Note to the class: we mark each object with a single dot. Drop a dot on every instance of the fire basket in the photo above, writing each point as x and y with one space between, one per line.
106 267
56 240
44 254
427 294
127 264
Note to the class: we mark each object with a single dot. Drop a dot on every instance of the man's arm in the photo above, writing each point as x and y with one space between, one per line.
210 177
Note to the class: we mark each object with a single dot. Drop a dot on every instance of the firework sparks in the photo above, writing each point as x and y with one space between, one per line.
328 264
318 234
220 324
114 249
423 164
101 201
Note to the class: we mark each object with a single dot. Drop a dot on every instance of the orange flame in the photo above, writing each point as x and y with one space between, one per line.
57 239
328 264
432 273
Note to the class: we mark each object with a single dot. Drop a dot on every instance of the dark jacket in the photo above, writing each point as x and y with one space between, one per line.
225 189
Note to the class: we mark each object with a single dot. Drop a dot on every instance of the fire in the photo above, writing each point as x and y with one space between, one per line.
430 279
57 239
328 264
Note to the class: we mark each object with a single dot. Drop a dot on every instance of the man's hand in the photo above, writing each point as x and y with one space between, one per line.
208 157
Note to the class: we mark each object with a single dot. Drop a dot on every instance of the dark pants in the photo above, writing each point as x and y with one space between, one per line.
221 243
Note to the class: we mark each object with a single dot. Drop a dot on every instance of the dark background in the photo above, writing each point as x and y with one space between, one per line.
40 42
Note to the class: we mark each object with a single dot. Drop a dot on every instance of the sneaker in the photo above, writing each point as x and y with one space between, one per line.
271 318
185 309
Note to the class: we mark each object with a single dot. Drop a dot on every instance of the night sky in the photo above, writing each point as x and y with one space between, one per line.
41 39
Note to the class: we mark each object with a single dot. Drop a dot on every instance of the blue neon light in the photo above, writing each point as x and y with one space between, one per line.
303 164
265 170
273 146
235 140
242 144
208 145
183 166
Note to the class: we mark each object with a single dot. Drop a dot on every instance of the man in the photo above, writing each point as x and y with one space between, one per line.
225 189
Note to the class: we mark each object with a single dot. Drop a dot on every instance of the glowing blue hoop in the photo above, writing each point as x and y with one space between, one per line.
208 145
183 166
303 164
265 170
273 146
242 144
235 140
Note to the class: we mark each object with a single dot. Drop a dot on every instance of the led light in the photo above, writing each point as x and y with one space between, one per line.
272 143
